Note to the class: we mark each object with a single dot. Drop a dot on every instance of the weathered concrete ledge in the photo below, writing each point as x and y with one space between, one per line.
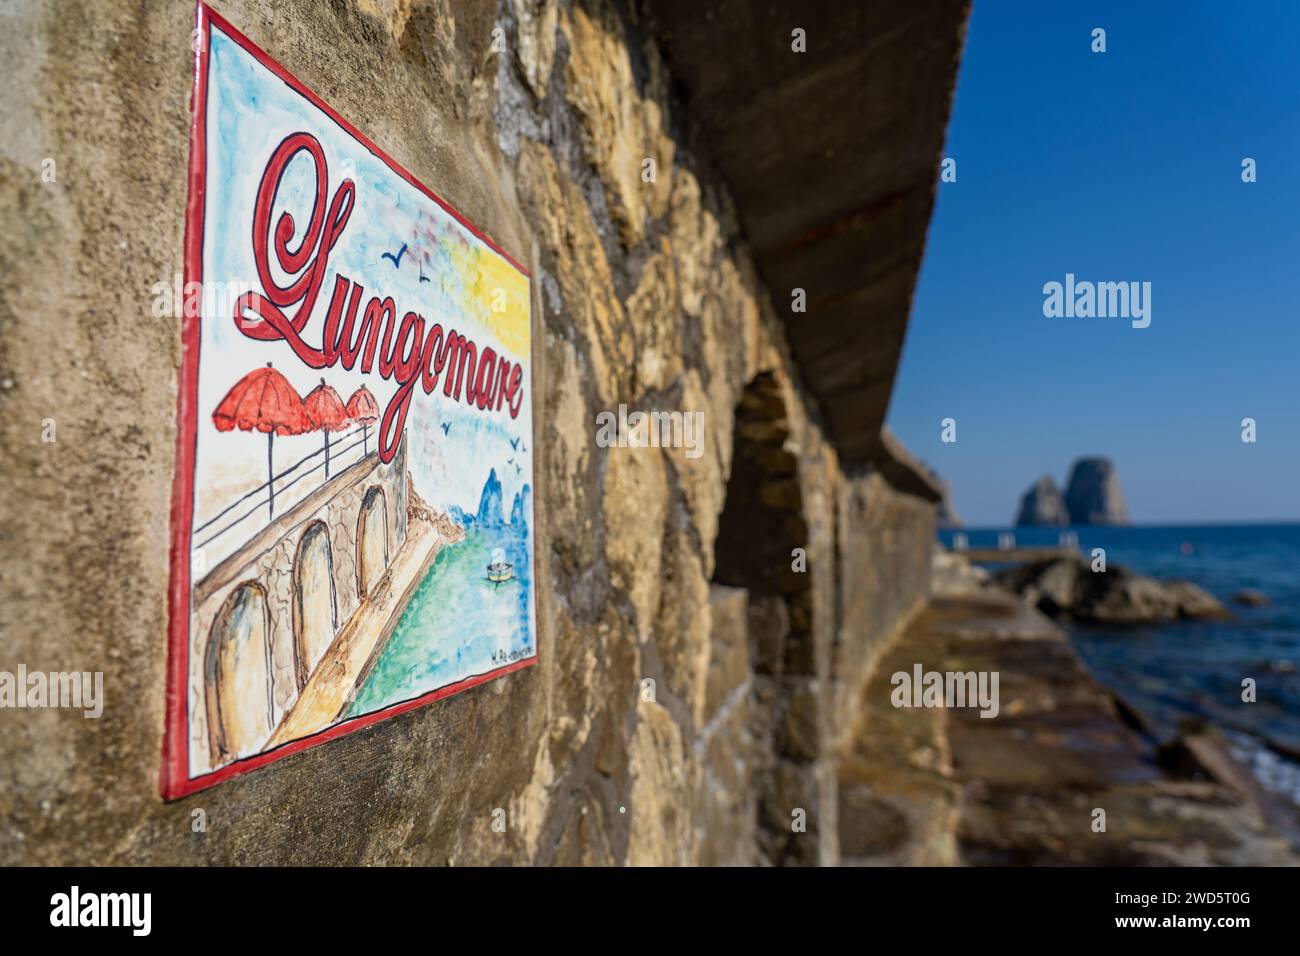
832 157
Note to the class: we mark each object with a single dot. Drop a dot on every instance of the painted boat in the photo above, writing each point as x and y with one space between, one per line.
499 571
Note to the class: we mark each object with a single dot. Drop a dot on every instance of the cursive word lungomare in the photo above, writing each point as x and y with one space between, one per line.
410 355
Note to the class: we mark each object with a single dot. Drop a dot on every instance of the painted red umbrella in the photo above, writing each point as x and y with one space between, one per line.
263 401
327 413
363 408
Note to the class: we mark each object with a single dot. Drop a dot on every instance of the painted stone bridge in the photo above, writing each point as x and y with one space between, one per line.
262 637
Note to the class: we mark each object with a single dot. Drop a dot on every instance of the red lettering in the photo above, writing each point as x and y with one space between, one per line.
408 356
308 261
453 362
503 370
406 350
483 384
515 394
429 378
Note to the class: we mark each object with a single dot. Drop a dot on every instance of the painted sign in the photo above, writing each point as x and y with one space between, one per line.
352 518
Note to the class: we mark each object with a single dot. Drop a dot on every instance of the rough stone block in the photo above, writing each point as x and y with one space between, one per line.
726 812
728 646
801 737
769 628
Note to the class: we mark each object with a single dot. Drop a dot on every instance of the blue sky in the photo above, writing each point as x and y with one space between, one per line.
1118 166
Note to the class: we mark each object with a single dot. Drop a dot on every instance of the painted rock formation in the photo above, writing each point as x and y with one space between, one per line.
1093 495
1042 506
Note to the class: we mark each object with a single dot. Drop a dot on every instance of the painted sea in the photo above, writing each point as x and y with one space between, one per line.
1194 669
459 624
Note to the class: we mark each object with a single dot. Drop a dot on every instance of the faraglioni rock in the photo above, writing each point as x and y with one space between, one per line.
1042 506
1093 495
489 513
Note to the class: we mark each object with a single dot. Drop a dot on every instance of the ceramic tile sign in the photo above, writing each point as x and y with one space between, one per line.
352 519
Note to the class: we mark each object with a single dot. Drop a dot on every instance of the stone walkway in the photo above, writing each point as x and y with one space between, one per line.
947 787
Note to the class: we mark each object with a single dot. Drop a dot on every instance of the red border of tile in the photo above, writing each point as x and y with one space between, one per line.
175 779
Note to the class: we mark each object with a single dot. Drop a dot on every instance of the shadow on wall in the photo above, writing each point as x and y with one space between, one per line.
761 525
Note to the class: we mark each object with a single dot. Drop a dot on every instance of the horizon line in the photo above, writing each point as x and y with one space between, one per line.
1213 523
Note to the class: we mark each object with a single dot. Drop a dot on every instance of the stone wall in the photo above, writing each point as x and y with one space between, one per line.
644 294
885 546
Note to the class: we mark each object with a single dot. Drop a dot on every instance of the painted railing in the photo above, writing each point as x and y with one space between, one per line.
263 496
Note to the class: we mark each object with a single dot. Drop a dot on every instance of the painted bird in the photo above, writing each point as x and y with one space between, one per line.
397 260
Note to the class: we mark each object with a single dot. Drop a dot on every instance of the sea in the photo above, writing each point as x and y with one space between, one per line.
1195 669
457 623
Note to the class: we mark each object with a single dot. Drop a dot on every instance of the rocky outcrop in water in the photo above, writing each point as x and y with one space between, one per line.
489 513
1093 495
1251 598
1042 506
1068 587
951 573
521 510
417 509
